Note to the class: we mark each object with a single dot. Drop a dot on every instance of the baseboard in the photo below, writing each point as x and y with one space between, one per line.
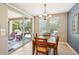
71 48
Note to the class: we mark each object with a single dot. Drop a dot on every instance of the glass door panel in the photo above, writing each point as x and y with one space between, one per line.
14 30
27 30
19 30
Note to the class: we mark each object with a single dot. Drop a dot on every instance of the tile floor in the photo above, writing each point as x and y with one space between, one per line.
63 49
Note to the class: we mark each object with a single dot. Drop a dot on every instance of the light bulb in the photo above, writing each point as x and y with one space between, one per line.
44 14
50 15
47 17
40 16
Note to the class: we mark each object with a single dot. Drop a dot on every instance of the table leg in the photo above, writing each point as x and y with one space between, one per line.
33 45
55 52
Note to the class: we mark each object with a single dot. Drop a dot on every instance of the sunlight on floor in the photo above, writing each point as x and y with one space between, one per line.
63 49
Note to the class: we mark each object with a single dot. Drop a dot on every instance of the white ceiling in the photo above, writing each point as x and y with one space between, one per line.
38 8
12 14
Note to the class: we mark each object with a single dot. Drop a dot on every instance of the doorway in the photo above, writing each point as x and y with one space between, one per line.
19 30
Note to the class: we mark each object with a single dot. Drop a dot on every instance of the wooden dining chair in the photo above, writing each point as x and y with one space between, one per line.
33 43
41 46
55 46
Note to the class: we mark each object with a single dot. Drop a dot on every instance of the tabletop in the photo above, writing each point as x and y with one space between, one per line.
50 39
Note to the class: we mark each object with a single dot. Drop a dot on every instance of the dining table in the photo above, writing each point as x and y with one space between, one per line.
51 41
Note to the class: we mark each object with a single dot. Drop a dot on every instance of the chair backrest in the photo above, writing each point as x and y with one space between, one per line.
41 42
35 36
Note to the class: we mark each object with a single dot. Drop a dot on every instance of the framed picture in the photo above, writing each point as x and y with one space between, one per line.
75 24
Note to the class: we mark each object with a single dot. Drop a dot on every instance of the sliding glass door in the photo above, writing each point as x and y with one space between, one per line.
15 35
27 30
19 30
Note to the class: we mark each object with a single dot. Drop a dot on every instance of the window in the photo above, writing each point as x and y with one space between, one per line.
50 25
42 26
54 24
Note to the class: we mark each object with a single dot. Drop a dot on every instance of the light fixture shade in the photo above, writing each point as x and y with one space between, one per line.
45 16
50 15
40 16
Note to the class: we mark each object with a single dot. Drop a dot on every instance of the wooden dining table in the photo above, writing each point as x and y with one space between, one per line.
50 40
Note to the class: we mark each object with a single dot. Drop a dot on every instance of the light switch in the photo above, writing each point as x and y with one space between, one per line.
3 31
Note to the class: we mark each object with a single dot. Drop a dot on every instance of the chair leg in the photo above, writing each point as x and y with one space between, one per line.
36 52
47 53
54 51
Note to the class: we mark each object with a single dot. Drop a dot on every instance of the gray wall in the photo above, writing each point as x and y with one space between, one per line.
73 39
